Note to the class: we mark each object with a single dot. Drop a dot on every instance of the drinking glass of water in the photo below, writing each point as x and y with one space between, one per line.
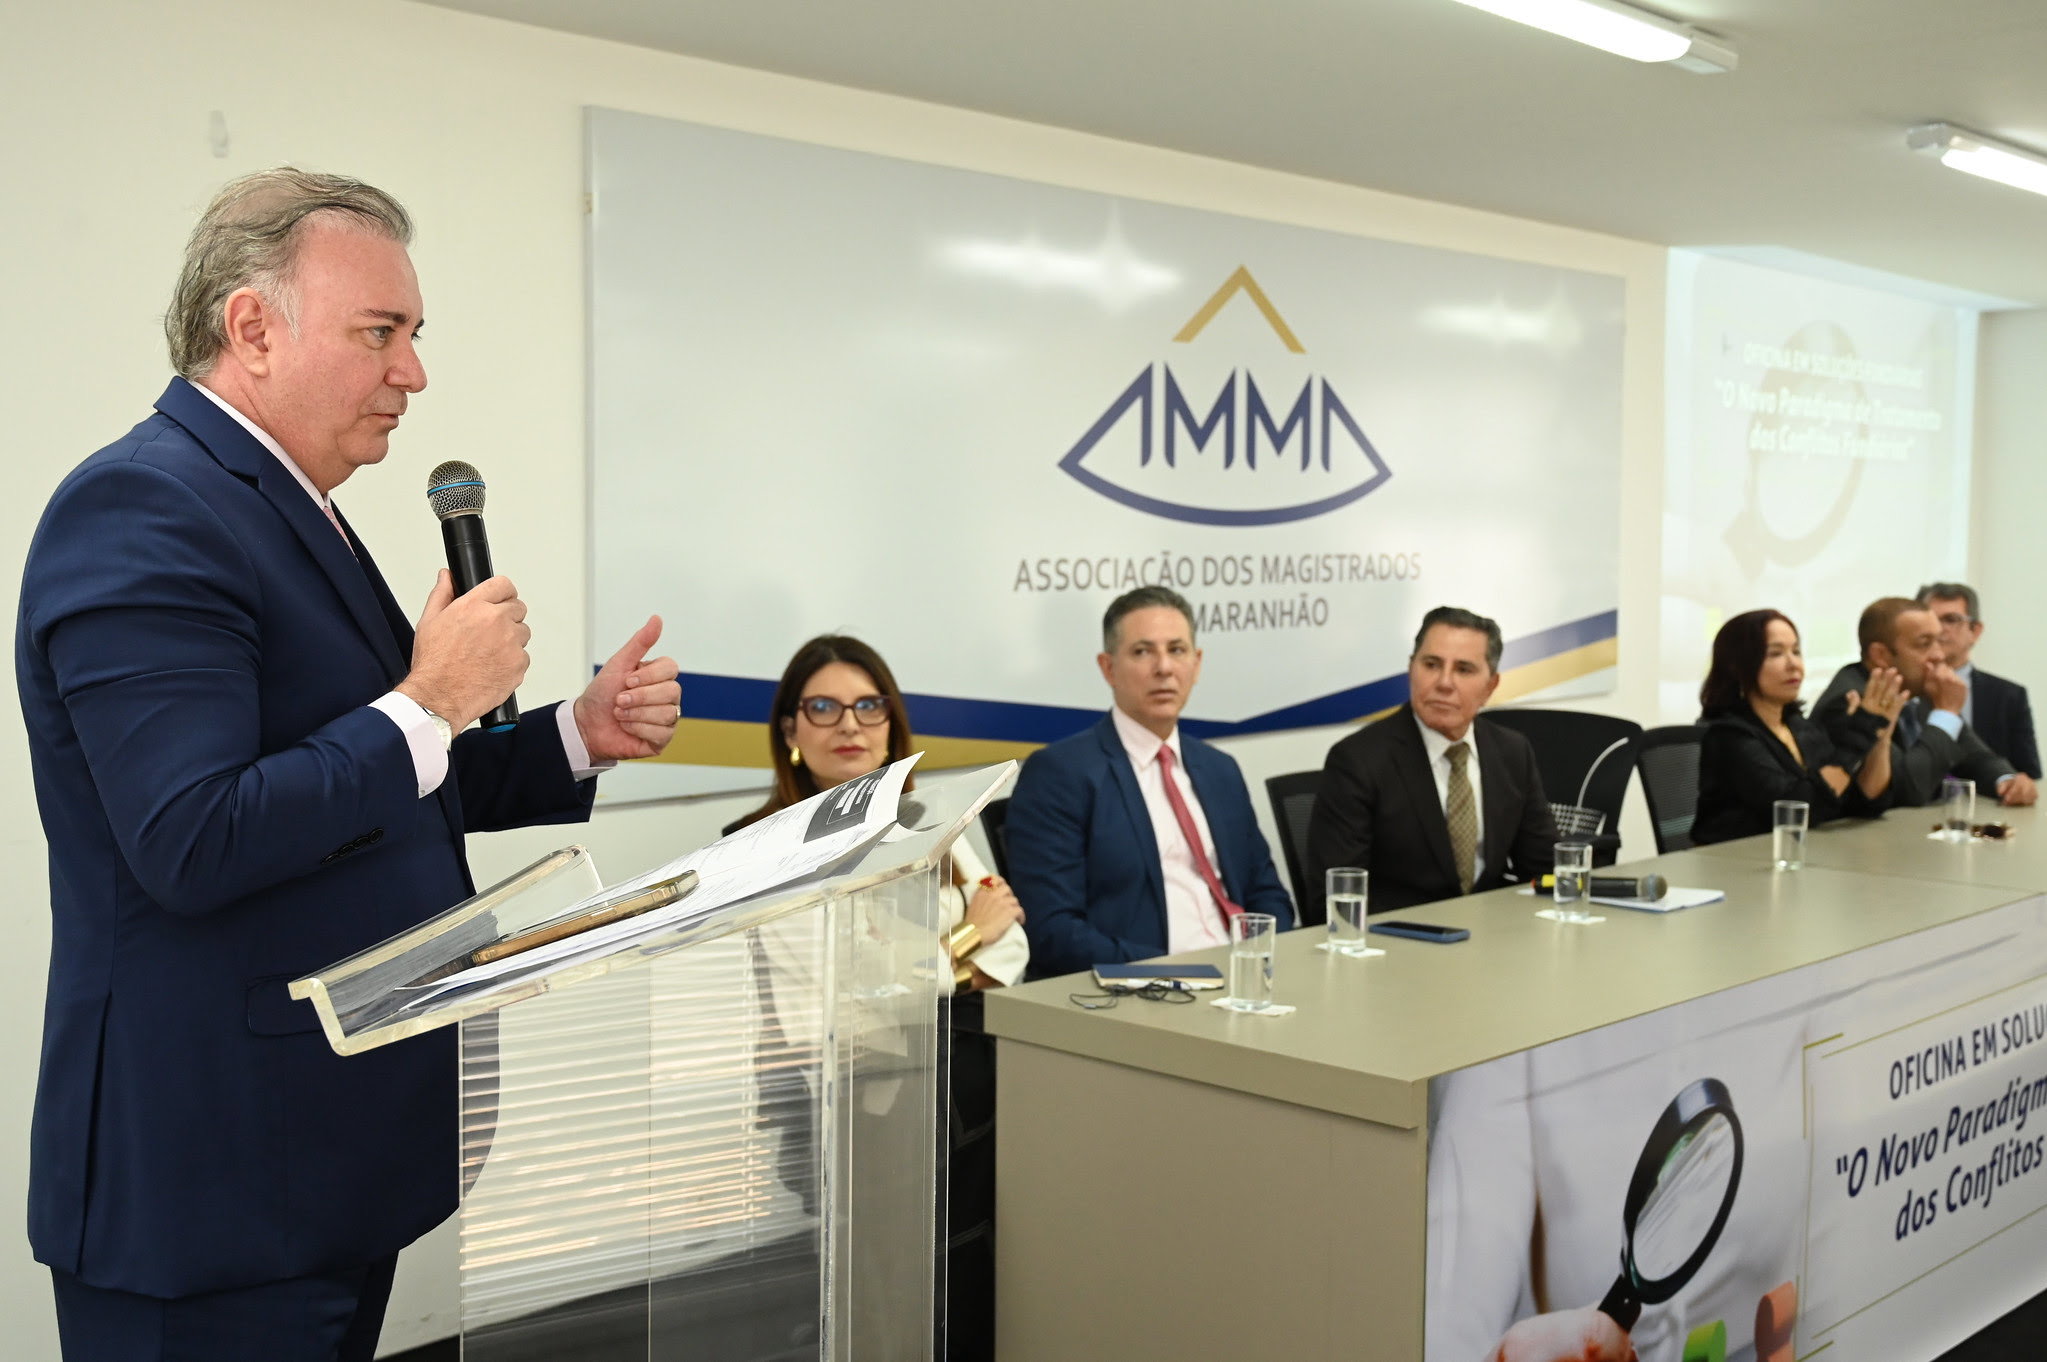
1790 818
1960 798
1574 882
1344 887
1252 936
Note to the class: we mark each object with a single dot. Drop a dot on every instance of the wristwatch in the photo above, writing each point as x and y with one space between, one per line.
442 727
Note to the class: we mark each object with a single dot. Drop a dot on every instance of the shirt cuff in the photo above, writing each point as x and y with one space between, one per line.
1947 721
429 756
2004 780
578 751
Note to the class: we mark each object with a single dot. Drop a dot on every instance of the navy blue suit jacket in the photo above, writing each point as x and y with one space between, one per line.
1084 863
196 649
2003 718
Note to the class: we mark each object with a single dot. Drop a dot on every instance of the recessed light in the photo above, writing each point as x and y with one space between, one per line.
1620 29
1980 155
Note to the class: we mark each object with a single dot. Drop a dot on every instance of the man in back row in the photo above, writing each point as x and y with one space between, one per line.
1931 740
1996 708
1132 839
1434 801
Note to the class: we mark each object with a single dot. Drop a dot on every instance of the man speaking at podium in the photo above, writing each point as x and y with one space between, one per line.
245 762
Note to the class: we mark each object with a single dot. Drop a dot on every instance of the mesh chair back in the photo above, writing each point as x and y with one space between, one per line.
1293 806
995 822
1575 820
1669 758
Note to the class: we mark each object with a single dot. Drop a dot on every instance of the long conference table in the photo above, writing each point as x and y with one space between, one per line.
1181 1181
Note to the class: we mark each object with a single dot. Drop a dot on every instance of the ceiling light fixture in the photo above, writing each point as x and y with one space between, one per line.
1620 29
1979 155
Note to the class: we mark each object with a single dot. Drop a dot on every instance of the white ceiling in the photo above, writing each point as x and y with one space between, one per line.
1802 148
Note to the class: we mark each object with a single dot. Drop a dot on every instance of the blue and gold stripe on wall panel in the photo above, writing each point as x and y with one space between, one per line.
722 716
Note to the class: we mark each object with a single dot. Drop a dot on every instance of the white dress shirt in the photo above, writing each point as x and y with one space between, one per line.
1967 671
1192 918
422 739
1438 748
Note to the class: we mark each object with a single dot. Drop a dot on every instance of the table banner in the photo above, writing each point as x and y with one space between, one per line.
1848 1158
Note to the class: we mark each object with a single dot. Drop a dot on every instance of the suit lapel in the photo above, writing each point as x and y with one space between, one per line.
1499 809
1413 761
387 604
1197 758
1776 747
1986 702
1125 777
240 453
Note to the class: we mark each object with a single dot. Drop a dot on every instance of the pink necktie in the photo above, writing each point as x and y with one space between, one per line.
335 521
1223 903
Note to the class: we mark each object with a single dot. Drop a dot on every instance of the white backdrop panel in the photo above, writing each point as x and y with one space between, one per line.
833 390
1818 457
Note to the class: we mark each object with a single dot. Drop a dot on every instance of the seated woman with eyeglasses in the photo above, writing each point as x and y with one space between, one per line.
837 715
1759 747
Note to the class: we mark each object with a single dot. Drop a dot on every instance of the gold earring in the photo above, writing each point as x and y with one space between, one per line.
795 757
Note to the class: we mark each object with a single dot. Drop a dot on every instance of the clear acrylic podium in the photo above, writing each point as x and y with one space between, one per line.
716 1141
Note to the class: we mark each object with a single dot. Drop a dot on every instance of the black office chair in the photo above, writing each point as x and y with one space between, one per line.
1669 759
1293 805
995 822
1585 761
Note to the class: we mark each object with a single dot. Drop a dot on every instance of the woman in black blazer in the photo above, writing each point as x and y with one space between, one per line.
1759 748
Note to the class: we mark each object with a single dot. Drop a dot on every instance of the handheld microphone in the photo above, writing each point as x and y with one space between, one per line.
455 491
1648 888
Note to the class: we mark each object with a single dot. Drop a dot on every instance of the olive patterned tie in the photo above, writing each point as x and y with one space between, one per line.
1463 816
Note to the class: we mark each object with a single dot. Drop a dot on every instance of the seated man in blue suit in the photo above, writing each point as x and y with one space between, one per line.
1133 840
247 764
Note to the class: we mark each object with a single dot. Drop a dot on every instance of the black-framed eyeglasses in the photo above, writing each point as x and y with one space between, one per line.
822 710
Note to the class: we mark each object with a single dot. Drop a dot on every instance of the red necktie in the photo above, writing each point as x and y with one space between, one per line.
1185 819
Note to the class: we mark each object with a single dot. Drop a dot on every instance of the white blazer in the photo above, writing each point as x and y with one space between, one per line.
1003 959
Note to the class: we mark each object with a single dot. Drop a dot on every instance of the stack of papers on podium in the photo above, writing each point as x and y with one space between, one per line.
781 849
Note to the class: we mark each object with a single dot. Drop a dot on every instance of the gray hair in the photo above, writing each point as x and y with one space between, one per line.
1952 591
1144 598
249 237
1463 619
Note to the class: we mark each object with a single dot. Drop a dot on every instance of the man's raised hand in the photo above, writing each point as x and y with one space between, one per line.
632 706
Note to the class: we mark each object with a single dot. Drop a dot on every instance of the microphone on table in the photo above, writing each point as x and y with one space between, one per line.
455 491
1648 888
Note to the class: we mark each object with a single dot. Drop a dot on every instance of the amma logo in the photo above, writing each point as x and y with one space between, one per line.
1315 458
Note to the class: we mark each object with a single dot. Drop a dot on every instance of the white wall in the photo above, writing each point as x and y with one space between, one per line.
2010 494
476 124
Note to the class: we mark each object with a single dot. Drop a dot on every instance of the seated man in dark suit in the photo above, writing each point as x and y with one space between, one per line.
1996 708
1930 741
1403 798
1134 839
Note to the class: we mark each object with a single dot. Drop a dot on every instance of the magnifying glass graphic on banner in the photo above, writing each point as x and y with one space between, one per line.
1678 1200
